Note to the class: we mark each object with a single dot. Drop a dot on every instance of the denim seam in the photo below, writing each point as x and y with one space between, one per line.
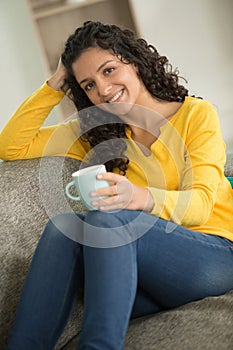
202 241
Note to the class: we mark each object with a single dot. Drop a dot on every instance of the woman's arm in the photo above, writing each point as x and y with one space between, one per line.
23 137
203 173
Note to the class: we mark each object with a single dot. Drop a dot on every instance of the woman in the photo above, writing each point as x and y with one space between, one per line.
168 199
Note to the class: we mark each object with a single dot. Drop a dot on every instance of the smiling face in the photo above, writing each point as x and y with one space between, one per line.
106 79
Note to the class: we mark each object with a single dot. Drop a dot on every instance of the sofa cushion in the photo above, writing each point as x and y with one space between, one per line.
230 179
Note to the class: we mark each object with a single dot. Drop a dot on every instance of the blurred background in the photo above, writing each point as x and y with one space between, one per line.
196 36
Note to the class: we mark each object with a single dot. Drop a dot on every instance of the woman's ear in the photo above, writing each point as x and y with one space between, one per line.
136 69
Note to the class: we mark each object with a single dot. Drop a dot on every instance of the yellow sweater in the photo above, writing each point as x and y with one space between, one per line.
184 171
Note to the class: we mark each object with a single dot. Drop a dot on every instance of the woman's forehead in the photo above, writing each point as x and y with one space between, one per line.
96 52
92 60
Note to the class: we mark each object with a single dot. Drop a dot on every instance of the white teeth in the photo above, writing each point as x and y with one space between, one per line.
116 96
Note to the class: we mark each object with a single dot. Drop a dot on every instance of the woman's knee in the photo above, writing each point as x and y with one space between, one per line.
109 229
97 218
117 218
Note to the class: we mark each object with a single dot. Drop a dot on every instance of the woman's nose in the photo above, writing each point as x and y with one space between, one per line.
104 88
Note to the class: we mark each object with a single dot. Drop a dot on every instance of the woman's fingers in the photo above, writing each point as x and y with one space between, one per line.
122 194
118 194
111 177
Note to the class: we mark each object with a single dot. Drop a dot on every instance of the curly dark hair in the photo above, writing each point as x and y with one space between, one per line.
154 70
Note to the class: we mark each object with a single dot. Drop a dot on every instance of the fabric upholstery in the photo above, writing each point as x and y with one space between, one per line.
31 192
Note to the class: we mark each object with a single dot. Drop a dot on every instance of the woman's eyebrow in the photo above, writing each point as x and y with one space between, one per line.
98 69
103 64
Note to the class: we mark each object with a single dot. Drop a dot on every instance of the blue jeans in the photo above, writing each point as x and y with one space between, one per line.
159 266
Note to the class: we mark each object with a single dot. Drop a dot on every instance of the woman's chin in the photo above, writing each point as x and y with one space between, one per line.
118 108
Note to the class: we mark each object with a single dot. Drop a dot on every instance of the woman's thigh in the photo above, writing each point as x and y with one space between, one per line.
177 265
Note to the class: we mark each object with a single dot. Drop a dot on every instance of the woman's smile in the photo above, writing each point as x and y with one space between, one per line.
116 97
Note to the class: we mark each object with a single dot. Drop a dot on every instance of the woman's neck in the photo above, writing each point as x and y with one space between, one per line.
164 108
145 121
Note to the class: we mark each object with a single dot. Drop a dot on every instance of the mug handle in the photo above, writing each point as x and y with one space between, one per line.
68 193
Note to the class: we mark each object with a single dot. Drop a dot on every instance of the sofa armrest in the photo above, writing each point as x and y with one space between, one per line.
31 192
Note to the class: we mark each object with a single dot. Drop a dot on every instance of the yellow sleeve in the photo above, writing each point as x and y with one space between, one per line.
23 137
193 203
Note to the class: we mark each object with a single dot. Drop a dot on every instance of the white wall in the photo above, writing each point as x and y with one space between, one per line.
197 37
21 67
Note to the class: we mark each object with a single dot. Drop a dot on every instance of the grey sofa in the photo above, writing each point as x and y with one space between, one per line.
31 192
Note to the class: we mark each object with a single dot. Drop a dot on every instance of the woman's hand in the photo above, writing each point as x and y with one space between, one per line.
57 80
122 194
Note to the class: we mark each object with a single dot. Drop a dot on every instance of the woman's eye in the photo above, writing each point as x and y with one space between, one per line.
109 70
89 86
